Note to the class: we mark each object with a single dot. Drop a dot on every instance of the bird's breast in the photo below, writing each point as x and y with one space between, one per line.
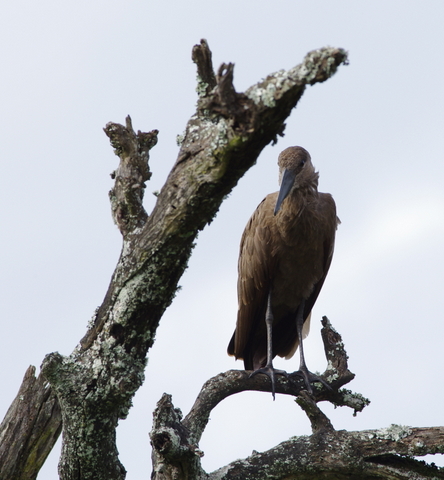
296 273
299 255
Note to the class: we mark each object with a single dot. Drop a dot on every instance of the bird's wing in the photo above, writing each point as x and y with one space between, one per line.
329 245
255 269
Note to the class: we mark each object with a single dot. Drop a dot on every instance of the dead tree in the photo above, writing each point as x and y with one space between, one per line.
91 389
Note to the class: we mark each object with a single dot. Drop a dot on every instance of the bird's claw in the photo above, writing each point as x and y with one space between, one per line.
310 378
271 373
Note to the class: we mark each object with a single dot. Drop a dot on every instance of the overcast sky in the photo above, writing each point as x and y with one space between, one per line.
374 131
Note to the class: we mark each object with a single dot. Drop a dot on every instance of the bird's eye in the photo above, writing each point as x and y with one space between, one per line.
301 163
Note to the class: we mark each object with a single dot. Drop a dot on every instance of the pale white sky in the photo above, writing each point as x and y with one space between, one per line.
374 131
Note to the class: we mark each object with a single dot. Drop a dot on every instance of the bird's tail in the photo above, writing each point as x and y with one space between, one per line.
252 360
230 349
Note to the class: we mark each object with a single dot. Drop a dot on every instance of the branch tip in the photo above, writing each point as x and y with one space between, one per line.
129 124
130 176
202 57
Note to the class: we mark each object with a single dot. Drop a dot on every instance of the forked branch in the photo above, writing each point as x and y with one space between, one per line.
170 430
225 384
222 140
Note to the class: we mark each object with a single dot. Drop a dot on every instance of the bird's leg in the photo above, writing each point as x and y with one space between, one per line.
269 370
303 370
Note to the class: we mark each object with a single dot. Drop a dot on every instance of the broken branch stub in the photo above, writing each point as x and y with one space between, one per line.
130 176
202 57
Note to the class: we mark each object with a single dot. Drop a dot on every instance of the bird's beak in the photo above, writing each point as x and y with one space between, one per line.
286 184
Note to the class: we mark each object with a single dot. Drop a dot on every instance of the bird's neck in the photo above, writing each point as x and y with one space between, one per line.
297 210
304 194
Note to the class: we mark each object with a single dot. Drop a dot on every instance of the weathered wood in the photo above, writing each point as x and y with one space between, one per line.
185 434
174 456
132 173
222 140
89 416
342 455
225 384
371 454
30 429
202 57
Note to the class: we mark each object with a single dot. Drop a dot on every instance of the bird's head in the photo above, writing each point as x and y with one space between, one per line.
295 171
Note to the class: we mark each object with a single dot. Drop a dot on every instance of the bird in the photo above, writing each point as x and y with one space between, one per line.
285 253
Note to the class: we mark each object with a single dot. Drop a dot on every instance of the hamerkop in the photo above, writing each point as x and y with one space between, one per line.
285 253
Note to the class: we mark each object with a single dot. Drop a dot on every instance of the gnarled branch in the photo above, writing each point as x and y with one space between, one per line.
370 454
186 434
366 455
95 384
225 384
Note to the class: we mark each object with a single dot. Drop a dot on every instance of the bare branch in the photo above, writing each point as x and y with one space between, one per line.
367 455
206 79
371 454
234 381
320 423
225 384
95 384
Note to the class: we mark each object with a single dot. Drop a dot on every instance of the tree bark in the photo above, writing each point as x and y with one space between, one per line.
225 384
366 455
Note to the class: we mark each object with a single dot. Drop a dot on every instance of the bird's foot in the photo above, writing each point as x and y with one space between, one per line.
271 373
310 378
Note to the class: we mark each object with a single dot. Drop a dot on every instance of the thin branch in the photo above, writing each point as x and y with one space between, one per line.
320 423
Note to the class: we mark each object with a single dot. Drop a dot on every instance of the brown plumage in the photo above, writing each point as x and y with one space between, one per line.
285 253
